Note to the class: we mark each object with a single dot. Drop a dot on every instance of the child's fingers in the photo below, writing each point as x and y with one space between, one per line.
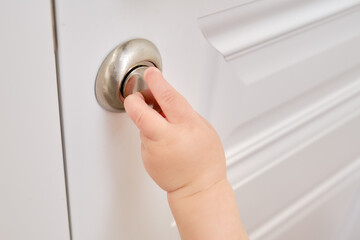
149 122
173 105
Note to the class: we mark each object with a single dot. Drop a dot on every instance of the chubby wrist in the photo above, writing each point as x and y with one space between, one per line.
198 190
201 184
208 214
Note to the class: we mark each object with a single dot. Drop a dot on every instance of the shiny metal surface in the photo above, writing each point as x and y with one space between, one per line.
122 71
134 82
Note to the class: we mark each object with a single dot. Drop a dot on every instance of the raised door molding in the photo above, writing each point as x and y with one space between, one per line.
307 48
333 207
304 28
293 174
293 93
255 24
318 116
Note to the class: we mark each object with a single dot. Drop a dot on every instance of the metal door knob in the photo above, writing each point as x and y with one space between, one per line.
122 72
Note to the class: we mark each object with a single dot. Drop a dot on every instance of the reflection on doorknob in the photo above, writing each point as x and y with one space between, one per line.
122 72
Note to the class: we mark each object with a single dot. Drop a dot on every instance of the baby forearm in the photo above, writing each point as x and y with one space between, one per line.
211 214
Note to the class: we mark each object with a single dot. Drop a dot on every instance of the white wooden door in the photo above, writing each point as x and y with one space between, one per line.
32 184
280 82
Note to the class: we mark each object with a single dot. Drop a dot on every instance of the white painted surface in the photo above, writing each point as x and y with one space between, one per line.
287 112
330 211
292 175
32 184
256 24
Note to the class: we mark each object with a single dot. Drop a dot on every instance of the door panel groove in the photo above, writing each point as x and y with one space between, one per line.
55 42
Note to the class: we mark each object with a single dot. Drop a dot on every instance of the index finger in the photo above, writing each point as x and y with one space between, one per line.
150 123
173 104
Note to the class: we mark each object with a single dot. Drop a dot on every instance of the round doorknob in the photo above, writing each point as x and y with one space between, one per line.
122 72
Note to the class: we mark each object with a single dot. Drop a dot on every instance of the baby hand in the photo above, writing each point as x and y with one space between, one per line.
180 149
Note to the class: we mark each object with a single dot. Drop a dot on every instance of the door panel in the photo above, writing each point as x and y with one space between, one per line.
284 101
32 183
